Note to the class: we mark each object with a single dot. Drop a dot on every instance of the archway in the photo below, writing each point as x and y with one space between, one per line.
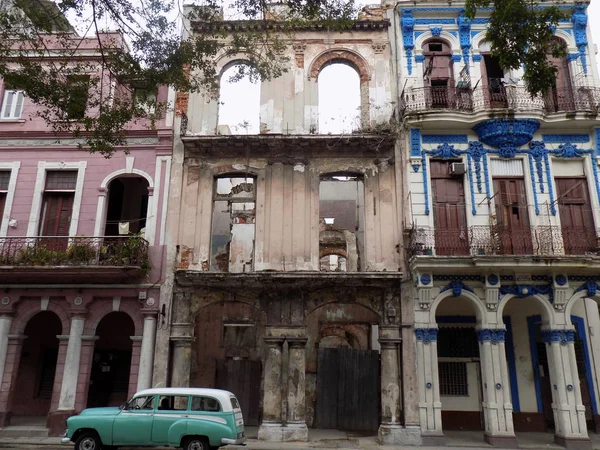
459 364
342 367
111 363
239 100
525 318
37 368
127 208
339 102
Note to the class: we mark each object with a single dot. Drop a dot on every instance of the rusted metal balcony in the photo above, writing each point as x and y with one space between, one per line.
59 259
511 97
484 240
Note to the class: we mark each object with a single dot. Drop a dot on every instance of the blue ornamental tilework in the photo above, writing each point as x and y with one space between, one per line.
580 20
419 58
426 335
457 286
435 21
564 138
494 336
407 22
444 139
415 142
477 58
562 336
591 287
525 290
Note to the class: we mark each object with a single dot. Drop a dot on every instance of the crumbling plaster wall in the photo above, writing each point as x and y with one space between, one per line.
290 103
287 212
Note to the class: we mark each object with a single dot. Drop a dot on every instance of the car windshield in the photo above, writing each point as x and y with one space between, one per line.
142 402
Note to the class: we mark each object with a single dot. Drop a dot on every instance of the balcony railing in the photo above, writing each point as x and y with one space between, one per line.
505 97
126 251
482 240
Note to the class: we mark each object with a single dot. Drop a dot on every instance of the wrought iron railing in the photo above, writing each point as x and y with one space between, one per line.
117 251
501 96
485 240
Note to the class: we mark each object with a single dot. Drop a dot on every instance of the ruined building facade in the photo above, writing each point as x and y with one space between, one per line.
288 249
503 217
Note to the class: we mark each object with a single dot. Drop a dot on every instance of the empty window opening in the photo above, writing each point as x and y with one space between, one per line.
233 224
239 101
239 335
339 99
76 102
127 206
341 216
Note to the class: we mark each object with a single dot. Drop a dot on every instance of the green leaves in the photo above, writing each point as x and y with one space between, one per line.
520 34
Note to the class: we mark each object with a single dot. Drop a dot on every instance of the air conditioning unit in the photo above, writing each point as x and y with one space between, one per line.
457 169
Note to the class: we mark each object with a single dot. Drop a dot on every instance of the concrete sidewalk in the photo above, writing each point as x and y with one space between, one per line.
332 439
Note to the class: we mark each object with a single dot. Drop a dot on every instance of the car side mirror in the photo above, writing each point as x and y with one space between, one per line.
123 406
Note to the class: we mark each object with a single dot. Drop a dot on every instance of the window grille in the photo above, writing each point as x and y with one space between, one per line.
457 343
453 379
4 179
61 180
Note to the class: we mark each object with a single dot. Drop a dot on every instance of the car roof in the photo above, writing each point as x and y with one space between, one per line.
219 394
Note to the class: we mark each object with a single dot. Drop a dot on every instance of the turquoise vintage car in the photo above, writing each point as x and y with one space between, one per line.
190 418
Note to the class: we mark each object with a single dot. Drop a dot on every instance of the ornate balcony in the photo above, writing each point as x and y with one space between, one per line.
483 240
515 98
58 259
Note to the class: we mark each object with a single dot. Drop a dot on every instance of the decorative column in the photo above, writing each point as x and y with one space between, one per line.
5 323
497 404
430 405
68 388
390 429
11 369
569 412
271 426
144 380
295 428
134 366
182 361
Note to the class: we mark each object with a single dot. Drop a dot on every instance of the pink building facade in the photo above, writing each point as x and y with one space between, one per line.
81 264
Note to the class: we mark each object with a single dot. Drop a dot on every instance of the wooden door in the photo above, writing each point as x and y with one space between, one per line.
513 231
55 219
451 234
242 377
348 396
560 97
577 221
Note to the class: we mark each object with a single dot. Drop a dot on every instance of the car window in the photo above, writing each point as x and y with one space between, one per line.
234 403
205 404
143 402
173 402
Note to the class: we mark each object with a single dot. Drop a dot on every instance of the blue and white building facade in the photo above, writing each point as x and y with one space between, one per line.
503 213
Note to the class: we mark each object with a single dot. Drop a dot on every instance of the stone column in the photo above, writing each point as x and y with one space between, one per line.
296 429
144 380
391 430
182 361
5 323
71 370
569 412
271 426
11 369
430 405
497 403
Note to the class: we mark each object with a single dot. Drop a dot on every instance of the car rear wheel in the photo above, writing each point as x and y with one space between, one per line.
195 443
88 441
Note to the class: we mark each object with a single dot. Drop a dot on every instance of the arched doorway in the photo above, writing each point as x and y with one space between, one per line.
339 103
37 367
127 208
111 363
459 365
342 368
438 73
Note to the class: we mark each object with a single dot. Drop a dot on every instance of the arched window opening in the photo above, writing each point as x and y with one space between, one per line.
239 101
438 75
339 99
560 96
127 208
341 217
233 223
493 78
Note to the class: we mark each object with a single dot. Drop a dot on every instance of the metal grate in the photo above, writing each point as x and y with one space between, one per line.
453 378
61 180
455 342
4 179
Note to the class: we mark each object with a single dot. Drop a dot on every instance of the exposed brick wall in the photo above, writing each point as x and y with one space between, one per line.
341 55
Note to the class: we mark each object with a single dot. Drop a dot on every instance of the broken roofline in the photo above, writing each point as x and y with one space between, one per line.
263 279
302 145
262 25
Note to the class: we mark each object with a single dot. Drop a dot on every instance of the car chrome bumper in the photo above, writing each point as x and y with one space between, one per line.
239 441
65 440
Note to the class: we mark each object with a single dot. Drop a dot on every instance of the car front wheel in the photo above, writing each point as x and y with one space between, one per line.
195 443
88 441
